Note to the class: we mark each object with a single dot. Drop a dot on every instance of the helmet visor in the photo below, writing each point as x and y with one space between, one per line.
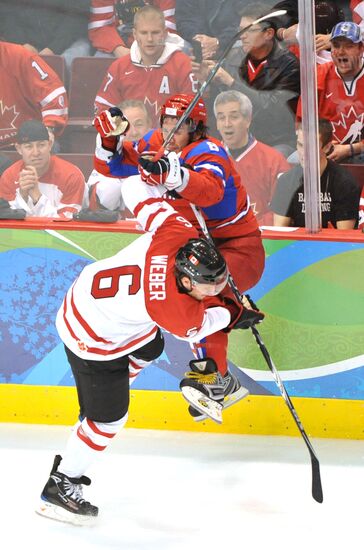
213 288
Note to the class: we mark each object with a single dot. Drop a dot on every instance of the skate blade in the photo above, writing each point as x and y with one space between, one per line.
212 409
52 511
228 401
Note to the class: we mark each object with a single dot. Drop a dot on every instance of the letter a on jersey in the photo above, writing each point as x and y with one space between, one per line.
164 87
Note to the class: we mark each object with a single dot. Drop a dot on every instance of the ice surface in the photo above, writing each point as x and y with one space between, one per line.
179 491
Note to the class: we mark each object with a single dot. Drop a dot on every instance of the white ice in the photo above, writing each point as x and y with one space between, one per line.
187 491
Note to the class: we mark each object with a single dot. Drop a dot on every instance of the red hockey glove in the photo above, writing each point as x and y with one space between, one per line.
109 124
166 171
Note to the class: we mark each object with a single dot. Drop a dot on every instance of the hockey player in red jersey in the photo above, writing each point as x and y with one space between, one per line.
30 89
110 322
196 169
207 178
155 68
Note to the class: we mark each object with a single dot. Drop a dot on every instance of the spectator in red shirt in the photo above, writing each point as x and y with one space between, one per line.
154 69
30 89
42 184
340 85
258 164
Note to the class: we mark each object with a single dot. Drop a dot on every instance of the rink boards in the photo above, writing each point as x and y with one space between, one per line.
312 291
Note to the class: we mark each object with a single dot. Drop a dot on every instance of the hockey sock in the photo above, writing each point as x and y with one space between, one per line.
135 367
85 442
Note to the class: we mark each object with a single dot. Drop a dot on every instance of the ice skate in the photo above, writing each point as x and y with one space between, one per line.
233 392
62 498
203 388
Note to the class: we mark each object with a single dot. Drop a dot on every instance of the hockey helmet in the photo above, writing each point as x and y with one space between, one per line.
176 105
202 263
347 29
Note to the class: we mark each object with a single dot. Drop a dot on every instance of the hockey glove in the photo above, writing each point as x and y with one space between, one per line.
166 171
111 123
242 317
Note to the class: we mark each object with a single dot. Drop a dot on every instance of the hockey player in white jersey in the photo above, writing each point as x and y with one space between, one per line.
110 322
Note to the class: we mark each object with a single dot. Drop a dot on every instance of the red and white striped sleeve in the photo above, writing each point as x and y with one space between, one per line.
102 26
357 10
46 90
168 7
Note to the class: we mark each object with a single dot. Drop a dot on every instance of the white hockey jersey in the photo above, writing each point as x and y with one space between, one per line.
116 304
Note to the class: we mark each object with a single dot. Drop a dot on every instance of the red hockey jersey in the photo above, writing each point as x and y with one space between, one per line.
103 22
116 304
340 103
29 89
213 183
259 167
62 190
127 78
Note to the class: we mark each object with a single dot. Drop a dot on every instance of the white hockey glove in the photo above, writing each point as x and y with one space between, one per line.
166 171
111 123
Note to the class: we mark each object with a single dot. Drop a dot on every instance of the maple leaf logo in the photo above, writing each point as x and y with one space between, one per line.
8 116
350 121
152 106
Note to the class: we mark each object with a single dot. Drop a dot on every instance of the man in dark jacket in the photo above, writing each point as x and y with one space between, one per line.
269 75
211 22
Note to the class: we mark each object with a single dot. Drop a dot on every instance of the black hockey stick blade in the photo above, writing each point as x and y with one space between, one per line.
317 493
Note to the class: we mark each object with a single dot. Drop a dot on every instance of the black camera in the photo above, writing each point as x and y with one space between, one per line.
197 50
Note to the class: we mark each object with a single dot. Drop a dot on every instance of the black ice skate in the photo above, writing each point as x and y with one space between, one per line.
233 392
203 388
62 498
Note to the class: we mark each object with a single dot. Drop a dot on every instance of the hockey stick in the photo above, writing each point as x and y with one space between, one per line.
317 493
211 75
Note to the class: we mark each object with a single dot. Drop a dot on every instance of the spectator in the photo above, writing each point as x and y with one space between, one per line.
341 91
40 183
154 69
258 165
138 117
268 75
30 89
47 27
339 191
211 22
111 23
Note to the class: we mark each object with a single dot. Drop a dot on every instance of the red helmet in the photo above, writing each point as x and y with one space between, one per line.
177 104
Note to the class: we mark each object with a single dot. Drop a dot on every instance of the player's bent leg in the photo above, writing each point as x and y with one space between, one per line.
143 357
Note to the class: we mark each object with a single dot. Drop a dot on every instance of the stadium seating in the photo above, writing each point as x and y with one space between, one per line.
86 76
57 63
